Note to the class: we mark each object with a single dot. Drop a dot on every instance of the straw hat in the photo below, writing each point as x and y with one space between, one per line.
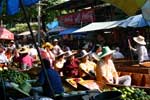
47 44
140 40
106 51
83 53
70 53
93 55
23 50
61 53
55 40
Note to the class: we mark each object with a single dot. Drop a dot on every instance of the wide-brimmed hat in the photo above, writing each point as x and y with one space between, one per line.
24 89
140 40
23 50
55 40
106 51
47 44
83 53
70 53
61 53
95 56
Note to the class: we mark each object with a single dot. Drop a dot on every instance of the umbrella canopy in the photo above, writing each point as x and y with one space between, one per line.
5 34
135 21
68 31
13 6
130 7
27 33
146 10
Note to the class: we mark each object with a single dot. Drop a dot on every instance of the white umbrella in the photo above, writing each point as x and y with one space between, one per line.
27 33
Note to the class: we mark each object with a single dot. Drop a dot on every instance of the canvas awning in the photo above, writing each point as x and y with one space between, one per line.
5 34
98 26
27 33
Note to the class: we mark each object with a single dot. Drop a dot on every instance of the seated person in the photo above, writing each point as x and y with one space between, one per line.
54 78
106 72
86 67
117 54
71 66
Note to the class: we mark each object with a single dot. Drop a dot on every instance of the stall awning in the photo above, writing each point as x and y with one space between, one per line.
5 34
68 31
98 26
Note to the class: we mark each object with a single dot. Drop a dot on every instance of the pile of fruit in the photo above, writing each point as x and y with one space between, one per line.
130 93
14 76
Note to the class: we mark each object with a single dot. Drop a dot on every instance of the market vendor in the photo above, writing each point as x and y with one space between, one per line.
3 57
54 78
86 67
140 48
106 72
25 59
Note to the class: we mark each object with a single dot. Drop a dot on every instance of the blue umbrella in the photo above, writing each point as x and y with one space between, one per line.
13 6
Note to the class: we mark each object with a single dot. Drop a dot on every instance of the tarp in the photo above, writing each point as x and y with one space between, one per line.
68 31
130 7
146 10
98 26
52 25
5 34
13 6
135 21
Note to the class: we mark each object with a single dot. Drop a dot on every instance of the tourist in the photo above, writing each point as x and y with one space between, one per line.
106 72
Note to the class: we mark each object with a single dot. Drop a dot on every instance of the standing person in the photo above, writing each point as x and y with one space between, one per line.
57 49
140 48
54 78
86 67
106 72
71 66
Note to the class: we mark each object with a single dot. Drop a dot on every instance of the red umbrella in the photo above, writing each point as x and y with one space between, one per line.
5 34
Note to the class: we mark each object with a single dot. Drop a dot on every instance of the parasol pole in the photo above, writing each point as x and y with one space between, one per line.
27 21
129 43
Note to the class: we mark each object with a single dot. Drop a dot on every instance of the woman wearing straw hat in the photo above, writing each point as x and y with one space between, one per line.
140 48
71 66
106 72
59 62
86 67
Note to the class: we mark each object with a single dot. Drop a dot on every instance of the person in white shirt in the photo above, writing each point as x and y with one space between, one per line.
56 49
140 48
117 54
3 57
33 52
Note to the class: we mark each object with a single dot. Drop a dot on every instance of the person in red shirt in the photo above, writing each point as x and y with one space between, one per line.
71 66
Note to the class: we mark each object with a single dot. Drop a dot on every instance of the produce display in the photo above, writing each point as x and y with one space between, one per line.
14 76
130 93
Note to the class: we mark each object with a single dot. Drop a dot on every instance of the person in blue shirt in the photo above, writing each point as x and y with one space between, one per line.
54 78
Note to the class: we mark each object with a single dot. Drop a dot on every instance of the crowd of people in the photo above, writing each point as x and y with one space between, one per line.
95 64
